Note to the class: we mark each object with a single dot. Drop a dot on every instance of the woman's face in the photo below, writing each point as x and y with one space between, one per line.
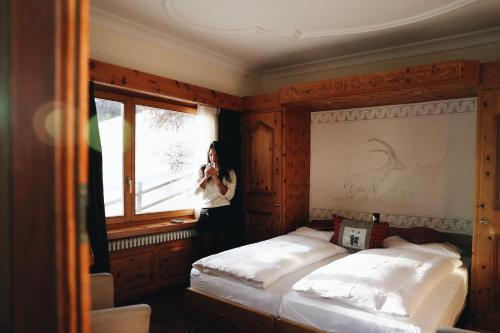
212 156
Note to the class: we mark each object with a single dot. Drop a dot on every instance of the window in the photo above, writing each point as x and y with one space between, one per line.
150 157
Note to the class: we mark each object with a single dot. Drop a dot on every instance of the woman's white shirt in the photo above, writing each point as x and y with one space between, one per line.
211 196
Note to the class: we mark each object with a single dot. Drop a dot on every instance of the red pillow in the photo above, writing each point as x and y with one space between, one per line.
421 235
378 234
337 223
358 235
322 225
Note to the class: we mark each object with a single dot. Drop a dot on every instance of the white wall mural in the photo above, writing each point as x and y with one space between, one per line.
412 161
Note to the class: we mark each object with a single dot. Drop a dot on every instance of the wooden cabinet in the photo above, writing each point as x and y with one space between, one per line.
174 262
134 271
145 269
275 166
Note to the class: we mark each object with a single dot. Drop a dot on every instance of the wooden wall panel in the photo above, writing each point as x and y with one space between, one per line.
296 167
486 227
495 263
153 84
262 102
451 79
490 74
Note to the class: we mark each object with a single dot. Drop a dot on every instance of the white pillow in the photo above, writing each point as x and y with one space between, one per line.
312 233
441 249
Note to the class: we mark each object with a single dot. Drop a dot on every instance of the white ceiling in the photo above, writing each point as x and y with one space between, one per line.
270 35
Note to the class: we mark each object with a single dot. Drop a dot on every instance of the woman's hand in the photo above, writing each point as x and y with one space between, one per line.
211 171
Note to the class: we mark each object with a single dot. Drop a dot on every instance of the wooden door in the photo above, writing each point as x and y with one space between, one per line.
486 247
262 169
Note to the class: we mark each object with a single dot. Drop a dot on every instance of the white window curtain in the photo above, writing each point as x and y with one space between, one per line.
205 132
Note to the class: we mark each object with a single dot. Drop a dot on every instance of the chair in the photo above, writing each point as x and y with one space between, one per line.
106 318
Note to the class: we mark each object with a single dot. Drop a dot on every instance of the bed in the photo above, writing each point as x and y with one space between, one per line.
441 304
227 304
218 301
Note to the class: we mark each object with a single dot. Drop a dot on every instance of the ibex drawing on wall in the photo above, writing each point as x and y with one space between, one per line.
423 177
365 184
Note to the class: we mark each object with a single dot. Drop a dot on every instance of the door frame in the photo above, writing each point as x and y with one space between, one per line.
490 79
44 84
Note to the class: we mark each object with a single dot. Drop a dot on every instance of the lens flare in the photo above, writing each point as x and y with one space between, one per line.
46 121
94 142
94 138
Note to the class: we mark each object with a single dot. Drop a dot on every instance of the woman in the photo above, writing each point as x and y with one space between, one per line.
216 184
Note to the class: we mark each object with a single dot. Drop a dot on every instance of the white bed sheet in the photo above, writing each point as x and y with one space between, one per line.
267 300
441 307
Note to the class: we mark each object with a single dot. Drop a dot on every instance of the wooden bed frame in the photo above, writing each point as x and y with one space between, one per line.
207 314
284 325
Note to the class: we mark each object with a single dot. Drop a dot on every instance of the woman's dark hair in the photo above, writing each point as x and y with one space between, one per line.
221 160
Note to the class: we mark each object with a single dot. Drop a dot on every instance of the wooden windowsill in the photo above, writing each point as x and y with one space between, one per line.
148 229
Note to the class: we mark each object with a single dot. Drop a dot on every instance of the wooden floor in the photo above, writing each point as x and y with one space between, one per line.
168 313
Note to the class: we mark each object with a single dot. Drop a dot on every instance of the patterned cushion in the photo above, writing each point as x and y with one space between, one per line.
421 235
323 225
337 223
358 235
379 231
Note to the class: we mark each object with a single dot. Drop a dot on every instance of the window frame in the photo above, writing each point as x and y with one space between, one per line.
130 100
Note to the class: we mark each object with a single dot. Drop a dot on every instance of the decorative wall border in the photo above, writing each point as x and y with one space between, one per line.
444 224
434 108
133 242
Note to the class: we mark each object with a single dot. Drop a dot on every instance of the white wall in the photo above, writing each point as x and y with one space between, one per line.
122 50
414 163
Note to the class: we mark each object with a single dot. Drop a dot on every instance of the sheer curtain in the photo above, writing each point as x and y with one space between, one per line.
205 132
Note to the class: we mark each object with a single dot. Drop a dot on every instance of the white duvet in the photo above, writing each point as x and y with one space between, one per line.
390 282
261 264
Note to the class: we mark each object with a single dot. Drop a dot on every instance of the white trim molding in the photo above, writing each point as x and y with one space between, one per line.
119 25
434 108
443 224
432 46
172 12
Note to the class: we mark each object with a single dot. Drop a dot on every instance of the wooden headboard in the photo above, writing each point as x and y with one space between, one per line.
463 242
